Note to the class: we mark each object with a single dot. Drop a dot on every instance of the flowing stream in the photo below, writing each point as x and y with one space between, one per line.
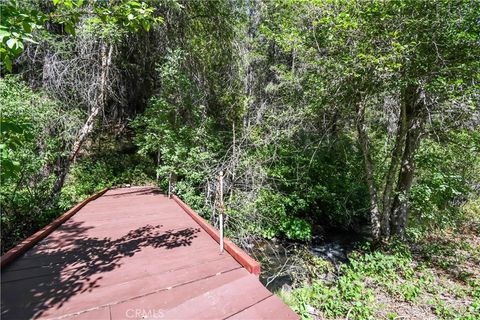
277 256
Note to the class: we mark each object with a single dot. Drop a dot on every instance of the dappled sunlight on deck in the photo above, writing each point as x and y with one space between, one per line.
132 253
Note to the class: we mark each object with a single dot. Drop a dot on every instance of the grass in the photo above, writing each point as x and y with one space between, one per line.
437 278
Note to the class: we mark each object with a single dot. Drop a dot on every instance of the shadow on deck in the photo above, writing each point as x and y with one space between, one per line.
130 249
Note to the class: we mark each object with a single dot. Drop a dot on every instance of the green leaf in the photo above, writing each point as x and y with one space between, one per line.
134 4
12 43
4 34
27 27
8 63
69 28
68 4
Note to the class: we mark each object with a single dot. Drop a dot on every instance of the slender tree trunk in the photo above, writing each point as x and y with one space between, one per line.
106 57
393 171
234 162
369 170
414 110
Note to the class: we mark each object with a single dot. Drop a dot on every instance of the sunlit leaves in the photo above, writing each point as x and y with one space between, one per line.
13 133
20 22
130 15
16 28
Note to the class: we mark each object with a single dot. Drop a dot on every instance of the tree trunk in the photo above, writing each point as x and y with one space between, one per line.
414 111
234 161
365 147
87 127
393 171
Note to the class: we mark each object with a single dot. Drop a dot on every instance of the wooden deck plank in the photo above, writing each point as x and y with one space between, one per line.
156 236
271 308
221 302
191 298
182 243
130 248
96 314
143 261
117 289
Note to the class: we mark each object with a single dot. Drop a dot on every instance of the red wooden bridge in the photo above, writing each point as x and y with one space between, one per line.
133 253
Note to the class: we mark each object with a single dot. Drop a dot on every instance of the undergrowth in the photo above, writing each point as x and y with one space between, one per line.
399 281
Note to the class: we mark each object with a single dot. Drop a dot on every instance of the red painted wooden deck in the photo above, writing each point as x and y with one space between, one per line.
133 254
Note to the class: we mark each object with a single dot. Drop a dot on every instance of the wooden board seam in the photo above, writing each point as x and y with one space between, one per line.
248 307
114 303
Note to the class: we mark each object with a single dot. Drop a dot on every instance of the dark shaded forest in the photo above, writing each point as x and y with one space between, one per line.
344 129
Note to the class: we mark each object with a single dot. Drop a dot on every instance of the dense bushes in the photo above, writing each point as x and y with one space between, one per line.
36 131
318 114
395 282
26 184
350 114
108 165
448 179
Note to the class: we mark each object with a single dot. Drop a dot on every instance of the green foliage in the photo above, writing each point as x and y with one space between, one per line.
185 127
298 300
348 296
444 180
22 21
172 128
17 26
279 211
265 91
111 20
308 186
358 292
332 55
355 298
34 132
309 74
106 167
13 134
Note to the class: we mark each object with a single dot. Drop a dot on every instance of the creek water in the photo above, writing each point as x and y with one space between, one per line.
277 256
